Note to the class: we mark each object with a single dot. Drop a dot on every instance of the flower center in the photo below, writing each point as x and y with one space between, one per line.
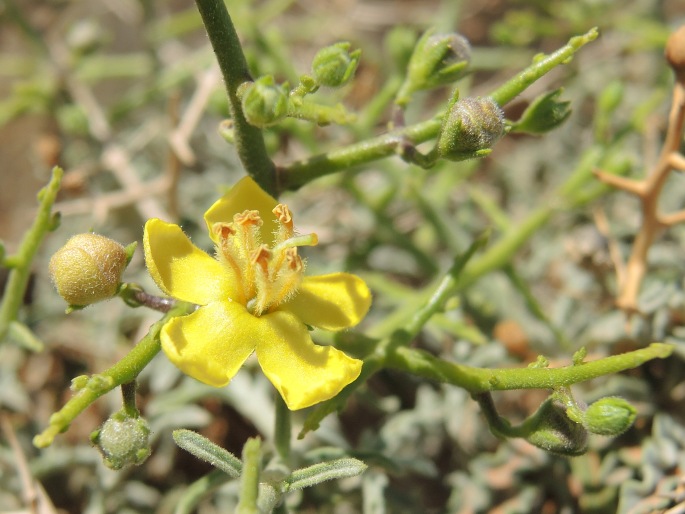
265 276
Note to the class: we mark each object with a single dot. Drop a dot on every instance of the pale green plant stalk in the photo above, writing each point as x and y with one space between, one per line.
89 389
20 265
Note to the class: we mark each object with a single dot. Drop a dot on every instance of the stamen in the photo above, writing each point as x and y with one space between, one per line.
266 277
293 260
226 252
289 277
248 218
247 224
223 230
283 215
285 222
261 257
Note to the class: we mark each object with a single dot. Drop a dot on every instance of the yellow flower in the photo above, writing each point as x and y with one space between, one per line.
254 297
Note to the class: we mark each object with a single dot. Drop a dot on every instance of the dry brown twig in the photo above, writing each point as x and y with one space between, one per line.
35 498
648 190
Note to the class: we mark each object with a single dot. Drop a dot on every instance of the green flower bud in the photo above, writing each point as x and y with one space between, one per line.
609 416
554 432
545 113
334 66
264 102
88 269
470 128
123 441
437 59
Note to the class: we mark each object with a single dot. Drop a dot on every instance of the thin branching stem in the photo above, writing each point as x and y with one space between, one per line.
124 371
301 172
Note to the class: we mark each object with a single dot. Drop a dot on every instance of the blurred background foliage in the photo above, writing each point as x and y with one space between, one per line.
126 97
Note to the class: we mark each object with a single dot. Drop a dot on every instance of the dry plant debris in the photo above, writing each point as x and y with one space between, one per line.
648 190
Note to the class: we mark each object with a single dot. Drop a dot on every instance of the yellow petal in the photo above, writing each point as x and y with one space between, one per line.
244 195
182 270
212 343
303 372
331 302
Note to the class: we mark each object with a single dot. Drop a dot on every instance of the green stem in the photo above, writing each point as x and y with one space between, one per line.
124 371
500 253
19 274
480 380
533 306
301 172
320 114
196 491
512 88
499 426
444 291
249 483
128 395
283 430
248 138
372 364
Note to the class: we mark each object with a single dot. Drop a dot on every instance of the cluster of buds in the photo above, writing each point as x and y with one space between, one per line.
265 102
561 428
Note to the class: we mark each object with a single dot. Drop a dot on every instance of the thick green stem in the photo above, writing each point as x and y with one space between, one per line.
480 380
124 371
19 275
301 172
248 138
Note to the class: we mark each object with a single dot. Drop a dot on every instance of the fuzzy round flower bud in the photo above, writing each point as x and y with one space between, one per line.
123 441
609 416
470 128
675 53
264 102
555 432
88 269
334 66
